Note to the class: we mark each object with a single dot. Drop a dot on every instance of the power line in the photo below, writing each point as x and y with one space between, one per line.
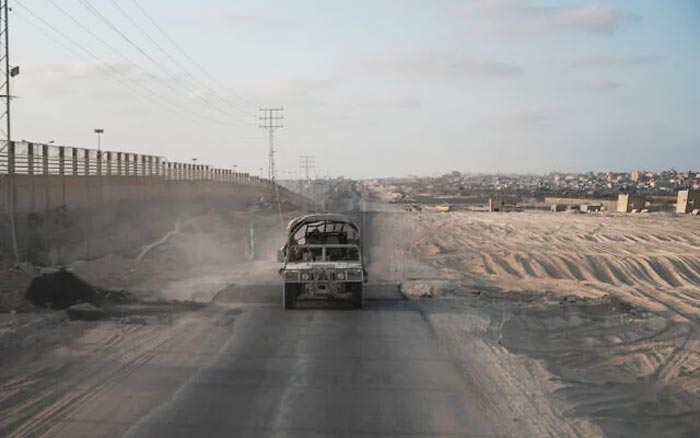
107 44
189 58
101 40
107 68
92 9
164 52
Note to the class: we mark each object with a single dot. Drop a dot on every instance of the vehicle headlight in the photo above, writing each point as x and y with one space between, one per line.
340 276
355 274
305 276
291 275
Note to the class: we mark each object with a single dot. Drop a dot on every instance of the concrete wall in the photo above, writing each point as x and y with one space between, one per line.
60 219
688 200
41 193
607 204
629 202
626 202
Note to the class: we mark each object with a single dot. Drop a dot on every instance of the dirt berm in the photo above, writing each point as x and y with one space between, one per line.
62 289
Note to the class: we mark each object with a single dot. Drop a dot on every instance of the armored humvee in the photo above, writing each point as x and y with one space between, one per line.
322 260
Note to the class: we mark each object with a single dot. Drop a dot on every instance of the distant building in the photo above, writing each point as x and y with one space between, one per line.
688 200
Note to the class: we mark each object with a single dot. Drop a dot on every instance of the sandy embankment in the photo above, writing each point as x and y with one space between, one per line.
583 325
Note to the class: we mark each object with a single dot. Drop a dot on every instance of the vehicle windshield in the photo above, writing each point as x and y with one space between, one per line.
321 253
346 254
325 233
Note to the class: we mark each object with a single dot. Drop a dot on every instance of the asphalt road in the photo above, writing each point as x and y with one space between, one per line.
324 372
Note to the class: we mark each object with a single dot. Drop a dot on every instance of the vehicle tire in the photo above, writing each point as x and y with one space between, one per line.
358 298
289 295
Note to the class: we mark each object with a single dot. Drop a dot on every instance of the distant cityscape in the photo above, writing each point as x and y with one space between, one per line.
556 184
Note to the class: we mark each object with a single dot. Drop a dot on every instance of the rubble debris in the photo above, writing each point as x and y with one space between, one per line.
118 296
86 312
61 290
27 269
13 283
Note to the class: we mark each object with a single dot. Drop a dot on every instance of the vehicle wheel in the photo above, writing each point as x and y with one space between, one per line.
358 298
289 295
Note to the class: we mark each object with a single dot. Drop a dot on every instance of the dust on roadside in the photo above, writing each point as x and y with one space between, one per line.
54 366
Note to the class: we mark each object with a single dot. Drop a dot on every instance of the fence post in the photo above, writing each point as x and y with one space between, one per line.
86 153
61 160
11 158
30 158
99 163
45 159
108 162
74 164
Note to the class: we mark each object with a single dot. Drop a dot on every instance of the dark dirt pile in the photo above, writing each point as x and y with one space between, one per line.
61 290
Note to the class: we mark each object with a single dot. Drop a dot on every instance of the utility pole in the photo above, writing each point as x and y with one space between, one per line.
306 162
270 120
10 72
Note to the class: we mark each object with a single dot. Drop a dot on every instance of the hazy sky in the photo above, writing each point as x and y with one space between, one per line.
370 87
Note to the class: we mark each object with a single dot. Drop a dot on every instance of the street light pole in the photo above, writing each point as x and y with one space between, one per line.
99 133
